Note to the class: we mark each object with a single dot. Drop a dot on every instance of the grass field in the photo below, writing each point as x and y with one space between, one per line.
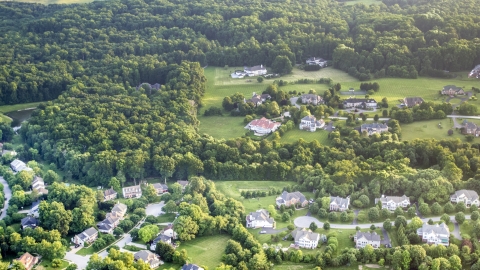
293 135
222 127
47 265
329 72
10 108
86 251
429 129
206 250
233 188
427 88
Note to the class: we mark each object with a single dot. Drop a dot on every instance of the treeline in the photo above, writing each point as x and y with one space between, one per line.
124 40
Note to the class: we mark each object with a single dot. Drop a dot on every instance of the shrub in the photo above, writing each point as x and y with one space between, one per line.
213 111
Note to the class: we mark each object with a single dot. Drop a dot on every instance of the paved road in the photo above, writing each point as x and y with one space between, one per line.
305 221
293 100
386 239
456 231
80 261
355 213
463 116
155 209
8 196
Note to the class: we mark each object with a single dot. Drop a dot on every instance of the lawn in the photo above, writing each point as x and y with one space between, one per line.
335 74
425 87
293 135
222 127
46 265
206 250
22 106
429 129
167 217
86 251
233 188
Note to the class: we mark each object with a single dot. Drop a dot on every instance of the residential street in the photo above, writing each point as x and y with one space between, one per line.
293 100
8 196
155 209
80 261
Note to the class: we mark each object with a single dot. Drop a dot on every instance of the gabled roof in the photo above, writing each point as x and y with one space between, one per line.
119 207
286 196
304 233
29 221
183 183
160 186
470 194
189 266
412 101
261 214
264 123
374 126
369 236
452 87
312 96
255 68
436 229
161 238
340 201
87 233
109 192
359 100
395 199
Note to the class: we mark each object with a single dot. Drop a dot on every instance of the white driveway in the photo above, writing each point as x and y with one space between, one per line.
155 209
8 196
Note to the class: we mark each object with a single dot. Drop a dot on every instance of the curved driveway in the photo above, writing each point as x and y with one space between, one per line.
305 221
8 195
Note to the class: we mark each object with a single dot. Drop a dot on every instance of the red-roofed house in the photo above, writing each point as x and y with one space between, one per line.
263 126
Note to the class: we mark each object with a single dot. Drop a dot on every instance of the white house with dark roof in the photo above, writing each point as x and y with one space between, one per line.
255 70
160 238
310 123
393 202
108 224
373 128
17 166
316 61
86 237
291 198
132 192
305 238
263 126
469 197
260 219
29 222
362 239
149 257
311 99
365 103
339 204
434 234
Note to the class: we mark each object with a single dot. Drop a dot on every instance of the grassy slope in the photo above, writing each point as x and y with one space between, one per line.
430 129
206 250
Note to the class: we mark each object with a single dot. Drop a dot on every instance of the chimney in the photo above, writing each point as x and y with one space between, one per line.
261 66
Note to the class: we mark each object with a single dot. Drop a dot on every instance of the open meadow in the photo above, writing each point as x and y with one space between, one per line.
430 130
207 250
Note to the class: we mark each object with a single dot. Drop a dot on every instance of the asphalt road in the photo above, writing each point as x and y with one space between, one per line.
8 196
155 209
293 100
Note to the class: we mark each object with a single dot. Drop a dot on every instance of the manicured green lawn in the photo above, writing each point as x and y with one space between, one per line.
222 127
167 217
295 134
47 265
335 74
86 251
430 130
16 107
234 188
206 250
425 87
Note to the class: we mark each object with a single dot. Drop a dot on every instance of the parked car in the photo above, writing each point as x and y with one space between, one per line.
263 232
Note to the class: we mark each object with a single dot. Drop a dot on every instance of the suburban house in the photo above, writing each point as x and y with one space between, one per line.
475 73
292 198
183 183
255 70
11 152
412 101
190 266
132 192
258 99
109 194
310 123
362 239
452 90
305 238
469 128
151 258
119 209
29 222
108 224
469 197
86 237
339 204
316 61
17 166
263 126
435 234
238 74
259 219
28 260
393 202
160 188
311 99
34 210
39 185
363 103
160 238
373 128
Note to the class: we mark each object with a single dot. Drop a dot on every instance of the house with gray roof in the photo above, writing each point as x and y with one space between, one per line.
132 192
434 234
310 123
17 166
305 238
316 61
452 90
183 183
255 70
260 219
190 266
469 197
339 204
29 222
149 257
258 99
160 188
362 239
311 99
469 128
109 194
291 198
86 237
119 209
373 128
364 103
160 238
412 101
393 202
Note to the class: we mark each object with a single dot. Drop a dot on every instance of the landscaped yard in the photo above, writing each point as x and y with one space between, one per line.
86 251
293 135
335 74
47 265
206 250
222 127
167 217
430 130
234 188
